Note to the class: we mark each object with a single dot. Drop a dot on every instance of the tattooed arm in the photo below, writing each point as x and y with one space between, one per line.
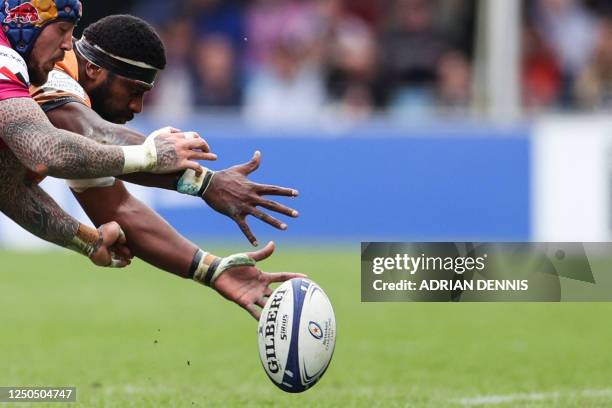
78 118
29 206
49 151
229 192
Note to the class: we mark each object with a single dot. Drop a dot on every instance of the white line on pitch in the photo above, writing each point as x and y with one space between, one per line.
534 396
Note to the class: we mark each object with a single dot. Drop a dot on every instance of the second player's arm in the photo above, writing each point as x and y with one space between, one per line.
78 118
230 192
153 240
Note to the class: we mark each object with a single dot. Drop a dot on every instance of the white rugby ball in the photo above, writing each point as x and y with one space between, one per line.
297 335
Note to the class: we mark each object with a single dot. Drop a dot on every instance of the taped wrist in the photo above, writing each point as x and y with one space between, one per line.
192 184
210 267
139 158
86 241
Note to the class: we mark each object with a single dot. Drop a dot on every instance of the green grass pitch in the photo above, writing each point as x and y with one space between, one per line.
142 338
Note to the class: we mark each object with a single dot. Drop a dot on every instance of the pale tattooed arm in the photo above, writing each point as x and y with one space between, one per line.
30 207
49 151
79 118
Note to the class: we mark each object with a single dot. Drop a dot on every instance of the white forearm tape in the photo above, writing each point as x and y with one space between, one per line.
139 158
142 157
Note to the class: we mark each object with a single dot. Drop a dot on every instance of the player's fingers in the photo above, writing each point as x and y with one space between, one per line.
268 292
253 311
244 227
283 276
195 166
110 233
268 219
266 189
121 240
167 129
122 251
191 135
253 164
279 208
261 302
263 253
194 141
197 155
119 263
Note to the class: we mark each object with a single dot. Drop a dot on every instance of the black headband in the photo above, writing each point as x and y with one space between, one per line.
116 65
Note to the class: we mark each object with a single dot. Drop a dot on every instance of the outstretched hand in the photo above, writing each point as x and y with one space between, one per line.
248 286
231 193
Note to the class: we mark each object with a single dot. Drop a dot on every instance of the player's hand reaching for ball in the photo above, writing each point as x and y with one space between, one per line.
112 250
248 286
177 151
231 193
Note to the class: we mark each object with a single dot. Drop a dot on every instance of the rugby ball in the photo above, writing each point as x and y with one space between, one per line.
296 335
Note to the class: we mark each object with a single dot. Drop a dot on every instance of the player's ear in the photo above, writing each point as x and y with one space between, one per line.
94 73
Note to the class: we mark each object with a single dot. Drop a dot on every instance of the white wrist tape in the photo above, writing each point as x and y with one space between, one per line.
142 157
210 267
192 184
139 158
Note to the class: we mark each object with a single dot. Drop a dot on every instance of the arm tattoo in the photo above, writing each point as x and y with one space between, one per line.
111 134
46 150
30 207
81 119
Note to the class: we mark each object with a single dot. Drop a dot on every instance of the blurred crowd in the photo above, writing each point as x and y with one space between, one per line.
295 61
567 55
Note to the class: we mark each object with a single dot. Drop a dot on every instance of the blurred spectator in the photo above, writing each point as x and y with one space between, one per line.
368 11
173 94
454 83
270 22
594 85
456 19
350 61
216 79
352 70
156 11
569 28
218 18
289 93
541 72
411 51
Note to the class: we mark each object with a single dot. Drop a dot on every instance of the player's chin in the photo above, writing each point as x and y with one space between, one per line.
124 119
39 76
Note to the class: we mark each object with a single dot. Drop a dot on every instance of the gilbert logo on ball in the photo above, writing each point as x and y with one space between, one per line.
297 335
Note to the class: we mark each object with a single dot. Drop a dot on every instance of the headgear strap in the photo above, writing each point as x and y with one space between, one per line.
136 70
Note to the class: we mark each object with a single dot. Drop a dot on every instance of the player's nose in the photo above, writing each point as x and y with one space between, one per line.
136 105
66 44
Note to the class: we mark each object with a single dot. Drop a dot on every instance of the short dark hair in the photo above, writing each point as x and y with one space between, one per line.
128 37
